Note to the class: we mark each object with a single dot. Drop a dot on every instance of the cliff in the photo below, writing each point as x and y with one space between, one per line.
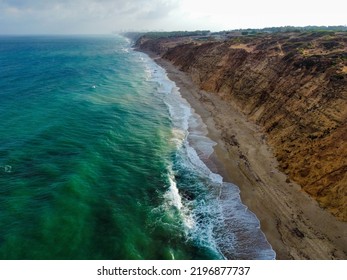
294 85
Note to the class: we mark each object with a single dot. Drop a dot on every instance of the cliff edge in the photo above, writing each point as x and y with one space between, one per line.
293 85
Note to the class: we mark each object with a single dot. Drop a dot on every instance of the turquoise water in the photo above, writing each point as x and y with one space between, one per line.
99 160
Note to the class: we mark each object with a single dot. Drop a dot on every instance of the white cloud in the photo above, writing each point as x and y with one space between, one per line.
228 14
81 16
105 16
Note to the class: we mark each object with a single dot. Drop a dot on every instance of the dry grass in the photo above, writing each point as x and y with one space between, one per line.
242 46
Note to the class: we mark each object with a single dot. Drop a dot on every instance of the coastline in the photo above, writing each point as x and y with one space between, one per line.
293 223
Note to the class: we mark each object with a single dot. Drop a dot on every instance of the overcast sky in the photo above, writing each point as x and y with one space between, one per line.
106 16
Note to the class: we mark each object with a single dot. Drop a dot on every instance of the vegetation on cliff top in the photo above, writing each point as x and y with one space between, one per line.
248 31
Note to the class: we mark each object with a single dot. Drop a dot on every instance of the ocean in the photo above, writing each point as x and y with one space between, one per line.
101 158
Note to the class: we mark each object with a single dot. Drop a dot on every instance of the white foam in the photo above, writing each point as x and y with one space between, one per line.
173 198
7 168
172 255
201 166
173 194
126 50
178 138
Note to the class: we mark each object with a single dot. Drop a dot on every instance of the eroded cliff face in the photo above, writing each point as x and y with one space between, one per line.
294 86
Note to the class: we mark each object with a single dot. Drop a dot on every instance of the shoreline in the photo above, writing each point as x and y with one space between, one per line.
293 223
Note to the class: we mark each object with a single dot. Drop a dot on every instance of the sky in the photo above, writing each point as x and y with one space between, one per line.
107 16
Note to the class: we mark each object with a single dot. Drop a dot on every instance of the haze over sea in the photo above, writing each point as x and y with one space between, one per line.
101 158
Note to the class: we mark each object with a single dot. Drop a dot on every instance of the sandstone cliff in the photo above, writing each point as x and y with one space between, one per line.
294 85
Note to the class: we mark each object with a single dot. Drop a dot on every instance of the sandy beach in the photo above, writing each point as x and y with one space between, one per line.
294 224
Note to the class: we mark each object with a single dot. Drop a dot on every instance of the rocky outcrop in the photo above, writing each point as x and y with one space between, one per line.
294 85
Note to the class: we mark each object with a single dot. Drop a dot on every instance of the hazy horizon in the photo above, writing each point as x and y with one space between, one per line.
40 17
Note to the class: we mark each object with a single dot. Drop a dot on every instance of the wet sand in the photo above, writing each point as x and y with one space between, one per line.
293 222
